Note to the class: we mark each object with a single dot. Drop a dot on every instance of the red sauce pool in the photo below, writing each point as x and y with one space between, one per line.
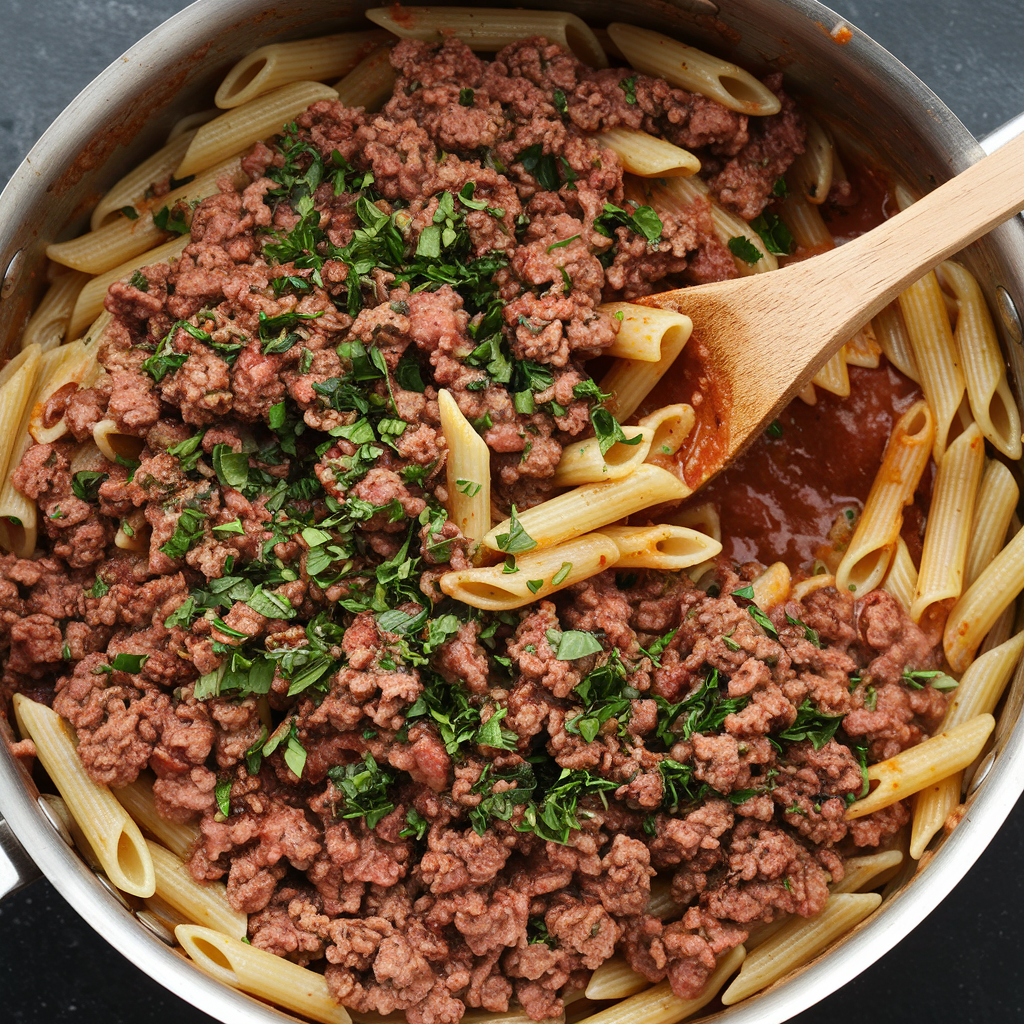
779 500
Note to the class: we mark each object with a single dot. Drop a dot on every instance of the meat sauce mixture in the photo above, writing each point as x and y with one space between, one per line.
437 807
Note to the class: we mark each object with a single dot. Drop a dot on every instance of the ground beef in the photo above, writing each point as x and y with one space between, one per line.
441 809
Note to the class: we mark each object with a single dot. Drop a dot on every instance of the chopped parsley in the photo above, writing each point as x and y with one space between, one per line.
744 249
363 787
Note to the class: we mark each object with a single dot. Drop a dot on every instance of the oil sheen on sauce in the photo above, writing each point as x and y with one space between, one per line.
778 501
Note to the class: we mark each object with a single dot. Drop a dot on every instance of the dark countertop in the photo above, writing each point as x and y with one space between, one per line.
963 964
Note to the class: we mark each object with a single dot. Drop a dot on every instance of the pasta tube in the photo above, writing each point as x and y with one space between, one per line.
113 443
488 30
239 128
671 425
660 547
901 579
800 940
911 770
979 691
583 463
530 577
993 509
660 904
48 326
659 1005
891 333
138 800
370 83
950 522
704 518
586 508
984 368
772 587
680 192
694 70
261 974
469 471
201 904
17 382
982 604
646 155
863 349
305 60
90 300
615 979
874 541
111 833
75 364
643 330
810 174
630 381
132 187
942 381
861 872
123 239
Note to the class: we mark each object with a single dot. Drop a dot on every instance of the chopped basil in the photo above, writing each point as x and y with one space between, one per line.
232 468
575 643
628 86
517 540
560 102
234 526
810 724
187 531
131 663
130 212
222 794
563 573
188 452
774 429
468 487
466 97
86 484
534 585
139 281
416 826
775 235
809 634
744 249
363 787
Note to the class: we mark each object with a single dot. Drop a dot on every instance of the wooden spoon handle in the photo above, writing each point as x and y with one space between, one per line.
866 274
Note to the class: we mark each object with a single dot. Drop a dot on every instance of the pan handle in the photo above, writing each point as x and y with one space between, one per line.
1003 134
17 869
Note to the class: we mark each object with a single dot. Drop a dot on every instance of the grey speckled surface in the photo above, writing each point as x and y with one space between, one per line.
962 965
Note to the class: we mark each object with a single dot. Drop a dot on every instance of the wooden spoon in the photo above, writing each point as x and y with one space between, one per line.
769 334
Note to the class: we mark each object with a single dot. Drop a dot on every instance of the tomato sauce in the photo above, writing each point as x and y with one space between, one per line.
779 500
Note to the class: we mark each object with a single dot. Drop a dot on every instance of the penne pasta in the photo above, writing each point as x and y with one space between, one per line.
799 941
123 239
138 800
526 578
586 508
982 603
863 349
679 193
261 974
305 60
643 330
805 223
865 873
979 691
931 339
188 124
993 509
661 904
874 541
630 381
75 365
205 905
488 30
804 588
369 83
18 514
113 443
772 587
901 579
469 470
239 128
915 768
615 979
646 155
950 522
810 174
694 70
671 425
89 304
982 361
48 326
660 547
659 1005
892 336
113 836
17 382
583 463
131 189
703 518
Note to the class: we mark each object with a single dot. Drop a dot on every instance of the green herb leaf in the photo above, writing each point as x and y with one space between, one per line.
744 249
363 787
187 531
775 235
222 794
86 484
575 643
232 468
517 540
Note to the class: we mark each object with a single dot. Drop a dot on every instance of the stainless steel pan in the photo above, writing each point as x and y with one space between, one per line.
125 113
